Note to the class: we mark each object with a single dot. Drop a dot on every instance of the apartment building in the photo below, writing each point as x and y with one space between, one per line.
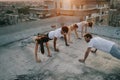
114 13
44 10
96 10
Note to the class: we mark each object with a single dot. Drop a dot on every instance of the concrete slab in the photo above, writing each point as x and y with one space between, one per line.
17 60
18 63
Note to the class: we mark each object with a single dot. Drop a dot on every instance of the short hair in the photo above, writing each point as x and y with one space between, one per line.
90 24
65 29
75 25
53 26
40 34
88 35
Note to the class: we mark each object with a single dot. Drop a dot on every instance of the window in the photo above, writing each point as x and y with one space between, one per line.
60 4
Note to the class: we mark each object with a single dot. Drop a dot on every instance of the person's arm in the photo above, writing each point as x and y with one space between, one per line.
65 38
48 49
36 49
94 51
85 28
86 55
76 34
69 35
82 28
55 39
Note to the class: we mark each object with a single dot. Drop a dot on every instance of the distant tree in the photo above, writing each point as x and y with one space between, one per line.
13 6
24 10
2 22
9 11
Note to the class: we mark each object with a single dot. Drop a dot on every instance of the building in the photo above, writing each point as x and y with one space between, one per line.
45 9
11 18
114 13
96 10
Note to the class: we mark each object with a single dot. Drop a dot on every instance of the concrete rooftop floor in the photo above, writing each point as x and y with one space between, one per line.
17 60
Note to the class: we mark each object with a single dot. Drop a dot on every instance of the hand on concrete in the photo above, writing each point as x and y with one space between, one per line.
79 38
81 60
93 51
67 44
49 55
38 60
57 50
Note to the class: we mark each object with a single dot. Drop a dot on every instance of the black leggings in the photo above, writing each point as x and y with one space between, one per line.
42 41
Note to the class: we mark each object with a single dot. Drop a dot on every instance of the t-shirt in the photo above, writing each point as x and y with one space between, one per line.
81 24
101 44
56 33
69 27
